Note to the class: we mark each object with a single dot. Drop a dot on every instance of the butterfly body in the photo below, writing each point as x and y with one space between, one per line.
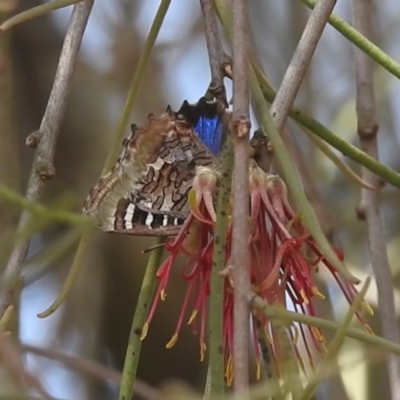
147 190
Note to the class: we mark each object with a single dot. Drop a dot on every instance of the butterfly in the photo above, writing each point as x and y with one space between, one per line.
146 192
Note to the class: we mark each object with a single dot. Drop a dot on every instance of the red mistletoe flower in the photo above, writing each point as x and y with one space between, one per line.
284 258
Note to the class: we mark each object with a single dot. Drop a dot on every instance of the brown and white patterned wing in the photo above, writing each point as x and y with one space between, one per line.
146 192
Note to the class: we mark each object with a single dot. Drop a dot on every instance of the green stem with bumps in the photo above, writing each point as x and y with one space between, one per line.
139 319
216 302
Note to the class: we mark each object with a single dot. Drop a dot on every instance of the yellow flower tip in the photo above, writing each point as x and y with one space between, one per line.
163 295
193 316
317 334
304 297
268 336
368 329
6 316
318 293
229 365
144 331
367 308
172 342
229 371
295 335
258 369
255 288
203 349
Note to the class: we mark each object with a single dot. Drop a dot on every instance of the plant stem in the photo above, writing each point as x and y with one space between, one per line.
240 257
214 48
287 359
129 103
135 84
72 274
297 68
334 347
215 320
142 308
42 168
215 385
291 179
369 207
40 211
354 36
347 149
91 369
36 12
273 312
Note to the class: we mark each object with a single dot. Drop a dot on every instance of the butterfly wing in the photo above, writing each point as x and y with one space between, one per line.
205 117
146 192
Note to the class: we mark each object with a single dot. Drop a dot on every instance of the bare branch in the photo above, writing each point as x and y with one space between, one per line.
240 229
214 47
13 361
369 207
91 368
43 168
294 75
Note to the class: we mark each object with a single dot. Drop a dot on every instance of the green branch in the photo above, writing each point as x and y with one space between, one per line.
129 103
135 84
216 299
292 180
139 319
287 358
361 42
72 274
347 149
45 213
36 12
383 171
334 347
358 334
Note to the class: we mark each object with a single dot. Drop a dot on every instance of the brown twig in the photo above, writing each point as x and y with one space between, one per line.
240 189
294 75
215 50
369 206
13 361
92 368
43 168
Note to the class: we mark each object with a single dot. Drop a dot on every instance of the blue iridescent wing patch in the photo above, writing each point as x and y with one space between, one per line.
206 122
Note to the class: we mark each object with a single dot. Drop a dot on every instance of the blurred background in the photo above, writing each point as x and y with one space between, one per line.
95 320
